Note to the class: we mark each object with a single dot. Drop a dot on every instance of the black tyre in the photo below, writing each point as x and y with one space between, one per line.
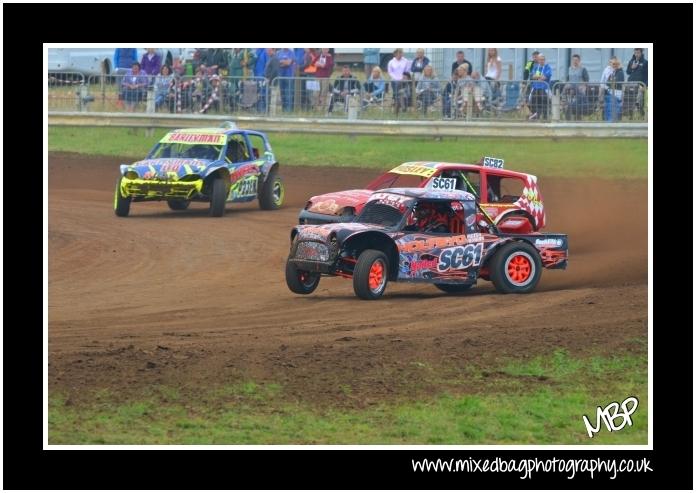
218 197
178 204
454 288
515 268
121 204
272 192
371 273
300 281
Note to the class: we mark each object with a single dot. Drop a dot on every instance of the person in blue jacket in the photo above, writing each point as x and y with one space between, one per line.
124 58
540 76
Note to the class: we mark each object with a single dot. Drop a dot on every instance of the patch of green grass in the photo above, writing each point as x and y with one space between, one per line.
545 411
609 158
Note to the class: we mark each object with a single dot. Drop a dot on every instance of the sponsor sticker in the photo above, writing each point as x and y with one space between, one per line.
549 242
194 138
414 169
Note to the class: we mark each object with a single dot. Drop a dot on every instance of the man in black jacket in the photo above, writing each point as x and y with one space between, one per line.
637 70
460 60
344 86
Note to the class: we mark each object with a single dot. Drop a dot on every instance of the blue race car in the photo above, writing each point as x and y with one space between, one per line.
215 165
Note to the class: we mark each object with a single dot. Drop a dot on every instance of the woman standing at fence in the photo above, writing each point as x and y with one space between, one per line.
325 65
613 80
419 63
494 71
396 68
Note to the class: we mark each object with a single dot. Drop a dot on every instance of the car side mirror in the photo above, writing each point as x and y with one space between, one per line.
255 152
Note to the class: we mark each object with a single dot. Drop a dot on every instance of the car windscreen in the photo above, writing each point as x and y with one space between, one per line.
190 151
395 180
385 211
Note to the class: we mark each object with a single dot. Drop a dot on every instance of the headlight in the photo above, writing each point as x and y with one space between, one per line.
131 175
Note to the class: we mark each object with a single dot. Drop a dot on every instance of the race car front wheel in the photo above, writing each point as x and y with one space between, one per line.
454 288
300 281
178 204
515 268
121 203
272 192
218 197
370 275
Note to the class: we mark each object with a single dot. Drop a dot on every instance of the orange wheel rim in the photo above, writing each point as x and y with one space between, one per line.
376 275
519 269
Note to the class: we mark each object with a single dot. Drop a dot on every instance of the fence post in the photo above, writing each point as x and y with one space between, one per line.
275 96
555 106
150 105
82 97
469 104
352 107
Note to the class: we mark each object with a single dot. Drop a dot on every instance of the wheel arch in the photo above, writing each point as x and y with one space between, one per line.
214 173
490 253
517 213
374 240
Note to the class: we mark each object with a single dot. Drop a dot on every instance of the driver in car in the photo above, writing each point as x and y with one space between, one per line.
429 218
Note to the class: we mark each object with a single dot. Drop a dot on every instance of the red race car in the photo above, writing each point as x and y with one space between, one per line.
511 199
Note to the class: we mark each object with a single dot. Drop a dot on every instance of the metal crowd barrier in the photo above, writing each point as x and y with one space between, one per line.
595 101
67 91
311 97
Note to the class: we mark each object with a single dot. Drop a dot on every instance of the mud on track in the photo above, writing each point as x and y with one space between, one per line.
185 300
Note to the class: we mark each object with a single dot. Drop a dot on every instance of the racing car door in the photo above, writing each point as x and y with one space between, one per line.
244 172
450 255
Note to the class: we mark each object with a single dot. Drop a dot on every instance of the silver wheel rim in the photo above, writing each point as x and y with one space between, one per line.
277 191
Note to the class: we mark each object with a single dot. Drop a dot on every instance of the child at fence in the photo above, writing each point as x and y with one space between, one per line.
448 96
403 97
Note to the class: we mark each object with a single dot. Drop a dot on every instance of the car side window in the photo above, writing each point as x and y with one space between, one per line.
473 177
505 190
258 146
237 151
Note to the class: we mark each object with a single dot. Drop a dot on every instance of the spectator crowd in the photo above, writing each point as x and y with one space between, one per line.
239 78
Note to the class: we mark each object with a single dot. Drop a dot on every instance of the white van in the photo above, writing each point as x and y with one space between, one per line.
95 61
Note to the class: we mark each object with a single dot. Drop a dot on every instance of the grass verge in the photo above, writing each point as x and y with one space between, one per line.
535 401
609 158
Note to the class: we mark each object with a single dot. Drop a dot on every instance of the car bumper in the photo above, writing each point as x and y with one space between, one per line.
159 189
313 265
307 217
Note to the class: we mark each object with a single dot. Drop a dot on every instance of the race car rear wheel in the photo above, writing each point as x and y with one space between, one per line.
300 281
178 204
370 275
121 204
218 197
272 192
454 288
515 268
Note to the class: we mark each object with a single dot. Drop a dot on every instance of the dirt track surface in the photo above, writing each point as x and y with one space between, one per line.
185 300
